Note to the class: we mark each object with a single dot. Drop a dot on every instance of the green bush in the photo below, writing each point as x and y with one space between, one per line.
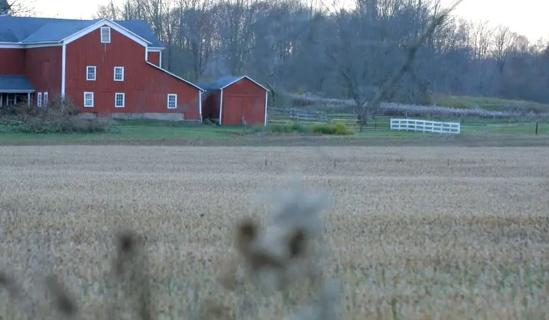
337 128
342 130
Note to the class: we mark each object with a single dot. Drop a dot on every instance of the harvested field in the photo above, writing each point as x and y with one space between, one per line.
412 232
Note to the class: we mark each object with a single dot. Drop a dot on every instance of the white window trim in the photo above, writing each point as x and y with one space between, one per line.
39 100
88 73
101 35
45 99
92 99
123 99
114 73
168 100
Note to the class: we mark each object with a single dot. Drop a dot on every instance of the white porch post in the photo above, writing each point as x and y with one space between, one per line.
29 99
14 99
1 99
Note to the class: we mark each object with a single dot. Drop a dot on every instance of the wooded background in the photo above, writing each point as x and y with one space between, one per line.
315 47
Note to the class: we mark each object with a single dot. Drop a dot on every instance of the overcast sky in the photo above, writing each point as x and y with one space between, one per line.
527 17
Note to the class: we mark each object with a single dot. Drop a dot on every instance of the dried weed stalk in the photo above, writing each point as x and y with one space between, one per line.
131 272
17 295
63 301
284 249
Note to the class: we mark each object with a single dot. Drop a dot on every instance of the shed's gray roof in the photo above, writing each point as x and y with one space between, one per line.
223 82
219 83
29 30
15 84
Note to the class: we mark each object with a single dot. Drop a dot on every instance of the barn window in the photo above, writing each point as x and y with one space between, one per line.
105 35
45 99
119 100
88 99
172 101
118 73
91 73
39 99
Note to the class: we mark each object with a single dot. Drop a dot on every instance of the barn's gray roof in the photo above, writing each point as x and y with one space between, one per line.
29 30
143 29
57 31
15 84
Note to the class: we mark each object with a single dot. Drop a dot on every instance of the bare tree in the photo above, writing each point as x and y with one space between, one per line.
371 45
194 34
480 38
503 43
109 11
390 84
15 8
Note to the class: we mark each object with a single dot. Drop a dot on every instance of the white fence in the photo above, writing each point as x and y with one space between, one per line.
426 126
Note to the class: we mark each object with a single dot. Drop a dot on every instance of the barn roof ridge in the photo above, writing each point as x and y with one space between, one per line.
36 30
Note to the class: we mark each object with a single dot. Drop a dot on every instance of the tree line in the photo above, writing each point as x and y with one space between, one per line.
310 46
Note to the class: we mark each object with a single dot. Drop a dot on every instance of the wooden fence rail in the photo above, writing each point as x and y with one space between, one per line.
282 115
426 126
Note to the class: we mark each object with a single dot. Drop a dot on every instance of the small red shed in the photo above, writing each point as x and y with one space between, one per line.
236 101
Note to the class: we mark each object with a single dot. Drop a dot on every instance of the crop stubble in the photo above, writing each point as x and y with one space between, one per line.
413 232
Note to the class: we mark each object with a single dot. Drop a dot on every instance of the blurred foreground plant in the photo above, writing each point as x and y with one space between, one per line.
286 250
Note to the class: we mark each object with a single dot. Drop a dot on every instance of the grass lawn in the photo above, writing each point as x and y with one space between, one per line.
151 132
127 131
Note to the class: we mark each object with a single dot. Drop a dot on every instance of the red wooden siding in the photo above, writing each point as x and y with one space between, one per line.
43 69
154 58
145 87
164 84
243 101
12 61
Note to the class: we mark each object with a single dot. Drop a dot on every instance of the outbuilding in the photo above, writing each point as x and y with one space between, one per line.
235 101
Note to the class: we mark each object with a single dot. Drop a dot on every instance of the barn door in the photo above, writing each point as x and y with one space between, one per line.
240 109
253 110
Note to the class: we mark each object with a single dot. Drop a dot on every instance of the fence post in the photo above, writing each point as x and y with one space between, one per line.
537 127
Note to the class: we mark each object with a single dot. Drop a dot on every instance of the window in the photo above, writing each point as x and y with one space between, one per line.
45 99
39 99
91 73
119 100
105 35
172 101
118 73
88 99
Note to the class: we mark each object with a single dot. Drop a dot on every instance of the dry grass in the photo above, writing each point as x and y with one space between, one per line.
416 233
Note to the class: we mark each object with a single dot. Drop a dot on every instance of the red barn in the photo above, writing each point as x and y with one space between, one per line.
104 67
236 101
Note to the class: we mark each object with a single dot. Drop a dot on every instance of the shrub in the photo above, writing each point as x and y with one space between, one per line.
342 130
289 127
337 128
58 117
